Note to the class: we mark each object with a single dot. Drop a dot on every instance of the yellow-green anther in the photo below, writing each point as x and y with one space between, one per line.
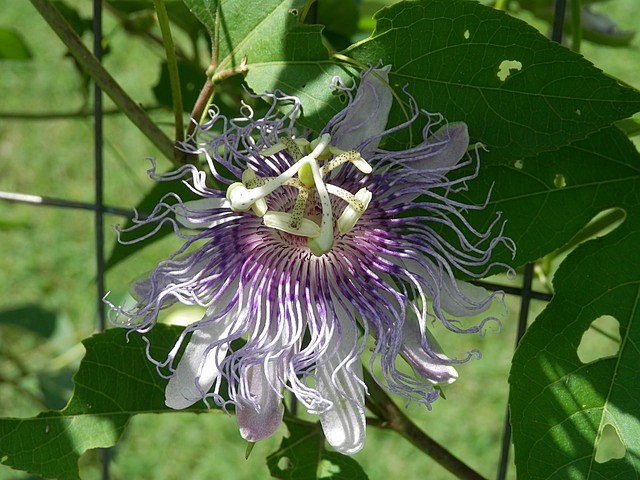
360 163
297 213
343 157
292 148
347 196
250 180
243 198
324 154
303 144
273 149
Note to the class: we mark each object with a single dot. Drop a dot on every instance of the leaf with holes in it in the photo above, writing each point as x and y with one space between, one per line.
547 199
519 92
115 381
574 387
302 456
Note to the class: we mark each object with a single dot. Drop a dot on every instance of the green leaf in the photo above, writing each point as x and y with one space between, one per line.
115 381
549 198
465 60
566 410
276 51
206 12
13 46
302 456
451 55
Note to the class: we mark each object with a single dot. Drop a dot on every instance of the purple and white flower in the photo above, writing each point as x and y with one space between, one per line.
313 245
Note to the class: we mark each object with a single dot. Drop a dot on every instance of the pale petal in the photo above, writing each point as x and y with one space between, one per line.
344 423
368 114
198 368
456 136
431 369
257 424
189 214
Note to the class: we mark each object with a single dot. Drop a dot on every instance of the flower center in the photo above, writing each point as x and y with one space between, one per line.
307 175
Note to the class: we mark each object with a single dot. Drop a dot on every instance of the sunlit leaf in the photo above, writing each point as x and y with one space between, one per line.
564 411
268 43
115 381
517 90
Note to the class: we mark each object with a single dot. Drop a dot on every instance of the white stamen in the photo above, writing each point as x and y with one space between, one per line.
353 211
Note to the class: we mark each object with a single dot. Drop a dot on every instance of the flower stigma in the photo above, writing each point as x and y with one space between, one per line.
250 193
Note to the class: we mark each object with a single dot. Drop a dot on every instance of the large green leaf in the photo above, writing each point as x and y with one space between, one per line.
450 54
115 381
276 51
563 407
302 456
548 198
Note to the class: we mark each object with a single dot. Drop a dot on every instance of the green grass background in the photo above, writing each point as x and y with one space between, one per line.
47 272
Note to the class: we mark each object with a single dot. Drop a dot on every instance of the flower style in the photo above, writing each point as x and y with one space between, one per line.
313 246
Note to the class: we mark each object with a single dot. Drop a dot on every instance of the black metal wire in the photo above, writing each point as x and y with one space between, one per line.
98 166
61 202
99 196
558 20
526 294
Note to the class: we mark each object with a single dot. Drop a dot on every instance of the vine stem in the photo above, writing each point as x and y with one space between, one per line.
103 78
576 25
393 418
200 107
172 65
208 89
